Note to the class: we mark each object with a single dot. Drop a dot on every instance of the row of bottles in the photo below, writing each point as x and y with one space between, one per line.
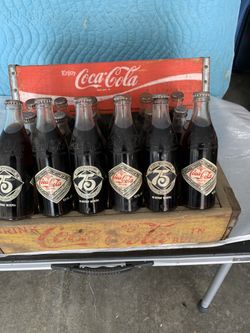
138 164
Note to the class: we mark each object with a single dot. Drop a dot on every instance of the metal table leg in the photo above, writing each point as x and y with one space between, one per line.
214 287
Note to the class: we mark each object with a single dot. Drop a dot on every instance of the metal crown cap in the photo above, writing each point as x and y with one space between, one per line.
157 96
30 102
28 116
94 100
119 98
176 95
60 101
146 98
181 109
13 102
43 100
83 100
59 115
201 94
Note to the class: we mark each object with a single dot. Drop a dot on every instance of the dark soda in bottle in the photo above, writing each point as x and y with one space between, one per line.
29 119
161 159
61 105
63 126
53 180
16 166
124 155
177 98
179 121
199 156
146 104
88 161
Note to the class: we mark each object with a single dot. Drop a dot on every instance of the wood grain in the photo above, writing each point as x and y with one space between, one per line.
112 230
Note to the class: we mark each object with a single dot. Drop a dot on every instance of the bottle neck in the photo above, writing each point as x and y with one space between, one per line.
45 118
160 116
84 117
14 119
123 116
201 115
62 107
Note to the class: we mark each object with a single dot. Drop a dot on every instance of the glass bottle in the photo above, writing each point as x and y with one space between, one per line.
61 104
145 118
199 156
161 159
179 120
30 105
63 126
53 180
16 166
124 158
88 161
29 119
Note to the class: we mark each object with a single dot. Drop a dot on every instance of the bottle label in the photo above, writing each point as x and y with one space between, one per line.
53 184
10 183
161 177
201 175
125 180
87 181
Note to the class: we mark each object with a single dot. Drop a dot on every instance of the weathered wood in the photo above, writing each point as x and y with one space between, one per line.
112 230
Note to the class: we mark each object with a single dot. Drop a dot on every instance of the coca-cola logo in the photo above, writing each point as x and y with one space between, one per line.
119 76
201 174
123 179
50 183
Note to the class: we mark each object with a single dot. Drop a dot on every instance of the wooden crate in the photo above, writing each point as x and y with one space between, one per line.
112 230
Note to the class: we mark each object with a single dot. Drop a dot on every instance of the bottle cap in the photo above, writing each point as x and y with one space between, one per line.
30 103
201 95
83 100
28 117
94 100
13 102
119 98
43 100
60 116
181 110
60 101
177 95
146 98
158 96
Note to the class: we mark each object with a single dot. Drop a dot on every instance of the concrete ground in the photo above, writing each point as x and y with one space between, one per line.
149 300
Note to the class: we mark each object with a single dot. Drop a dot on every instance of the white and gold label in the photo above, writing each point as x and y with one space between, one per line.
201 175
161 177
125 180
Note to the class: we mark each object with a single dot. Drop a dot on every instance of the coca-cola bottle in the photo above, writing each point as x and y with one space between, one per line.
124 155
177 98
16 166
30 105
63 126
53 180
29 119
61 104
146 104
199 156
179 120
143 118
161 159
100 125
88 161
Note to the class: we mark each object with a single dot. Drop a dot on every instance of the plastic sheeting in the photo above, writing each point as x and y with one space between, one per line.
232 124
